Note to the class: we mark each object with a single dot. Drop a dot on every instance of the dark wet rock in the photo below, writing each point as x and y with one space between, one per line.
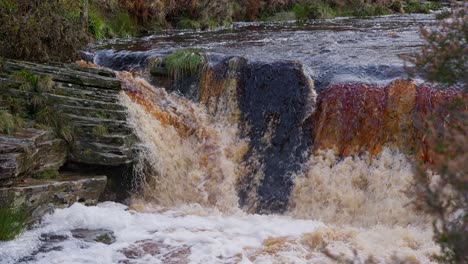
167 254
48 244
276 101
52 238
94 235
42 196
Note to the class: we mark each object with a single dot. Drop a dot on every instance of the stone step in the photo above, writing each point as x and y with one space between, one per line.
90 93
111 139
100 147
10 148
102 158
94 112
72 101
85 125
94 70
63 74
27 137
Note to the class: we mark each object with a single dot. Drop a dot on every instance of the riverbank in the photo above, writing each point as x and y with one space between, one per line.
25 27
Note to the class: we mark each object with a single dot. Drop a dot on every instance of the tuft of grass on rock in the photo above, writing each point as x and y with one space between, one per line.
10 123
7 123
12 222
184 63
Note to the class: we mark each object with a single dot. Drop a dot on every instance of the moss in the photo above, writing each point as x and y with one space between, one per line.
12 222
280 17
8 5
103 114
184 63
66 132
100 131
47 174
187 23
414 6
314 10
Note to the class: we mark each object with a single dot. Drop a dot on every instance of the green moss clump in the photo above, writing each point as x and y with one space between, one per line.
414 6
187 23
184 63
47 174
12 222
100 131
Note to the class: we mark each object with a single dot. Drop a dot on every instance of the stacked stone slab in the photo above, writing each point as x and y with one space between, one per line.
89 97
31 152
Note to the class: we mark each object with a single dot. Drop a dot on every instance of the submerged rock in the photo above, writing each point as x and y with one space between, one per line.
94 235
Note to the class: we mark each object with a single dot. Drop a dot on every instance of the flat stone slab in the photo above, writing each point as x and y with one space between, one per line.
42 196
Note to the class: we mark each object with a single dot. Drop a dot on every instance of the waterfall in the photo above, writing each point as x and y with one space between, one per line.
186 156
197 154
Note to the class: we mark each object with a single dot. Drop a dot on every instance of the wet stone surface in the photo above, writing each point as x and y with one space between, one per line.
99 235
167 254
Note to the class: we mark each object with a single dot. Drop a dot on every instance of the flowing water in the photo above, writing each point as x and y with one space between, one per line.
207 167
337 50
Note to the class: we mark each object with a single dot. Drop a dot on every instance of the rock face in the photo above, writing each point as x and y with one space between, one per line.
31 152
357 118
82 99
41 196
88 98
276 101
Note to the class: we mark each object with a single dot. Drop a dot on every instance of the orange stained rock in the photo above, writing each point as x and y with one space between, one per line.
358 118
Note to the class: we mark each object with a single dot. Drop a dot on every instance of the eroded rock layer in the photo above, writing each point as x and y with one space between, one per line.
358 118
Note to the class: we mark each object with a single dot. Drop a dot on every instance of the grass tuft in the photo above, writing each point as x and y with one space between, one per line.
12 222
184 63
10 123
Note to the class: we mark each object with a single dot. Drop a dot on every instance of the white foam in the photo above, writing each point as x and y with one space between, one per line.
213 237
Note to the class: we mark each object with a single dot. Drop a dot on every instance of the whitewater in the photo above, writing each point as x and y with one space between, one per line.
342 210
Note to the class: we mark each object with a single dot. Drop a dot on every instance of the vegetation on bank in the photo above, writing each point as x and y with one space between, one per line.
36 108
442 175
51 30
12 222
444 56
